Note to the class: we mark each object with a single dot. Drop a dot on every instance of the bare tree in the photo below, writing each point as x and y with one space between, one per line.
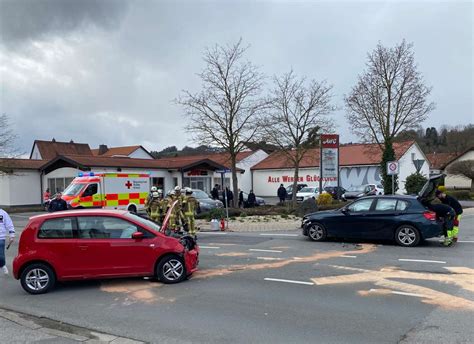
463 168
297 113
390 96
7 138
225 111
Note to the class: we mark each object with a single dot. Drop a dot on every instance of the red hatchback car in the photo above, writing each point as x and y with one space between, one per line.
94 244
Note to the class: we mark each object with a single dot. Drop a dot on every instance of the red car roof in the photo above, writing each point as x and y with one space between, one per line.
79 212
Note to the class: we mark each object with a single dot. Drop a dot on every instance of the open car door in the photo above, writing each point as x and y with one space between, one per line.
427 193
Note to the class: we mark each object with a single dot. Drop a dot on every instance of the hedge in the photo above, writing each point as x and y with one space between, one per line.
461 194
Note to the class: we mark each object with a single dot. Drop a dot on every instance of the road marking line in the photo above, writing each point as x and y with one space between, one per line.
210 247
422 261
346 256
269 258
466 241
259 250
402 293
288 281
290 235
212 233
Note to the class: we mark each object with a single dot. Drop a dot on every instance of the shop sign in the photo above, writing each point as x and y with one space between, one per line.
329 156
301 179
197 173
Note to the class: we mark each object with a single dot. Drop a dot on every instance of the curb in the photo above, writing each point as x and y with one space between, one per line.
63 330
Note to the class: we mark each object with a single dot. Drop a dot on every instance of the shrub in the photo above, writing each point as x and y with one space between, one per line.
324 199
216 213
414 183
459 194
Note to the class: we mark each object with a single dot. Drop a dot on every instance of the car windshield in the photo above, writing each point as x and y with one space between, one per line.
73 189
199 194
359 188
309 190
149 224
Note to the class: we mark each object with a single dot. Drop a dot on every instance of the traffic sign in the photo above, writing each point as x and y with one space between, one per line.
223 171
393 167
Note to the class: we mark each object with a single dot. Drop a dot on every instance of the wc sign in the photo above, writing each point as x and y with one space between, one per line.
393 168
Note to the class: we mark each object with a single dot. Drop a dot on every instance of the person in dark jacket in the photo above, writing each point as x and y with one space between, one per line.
251 200
281 193
446 215
241 199
57 204
230 196
453 203
215 192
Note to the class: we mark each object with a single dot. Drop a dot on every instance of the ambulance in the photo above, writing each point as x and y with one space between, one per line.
125 191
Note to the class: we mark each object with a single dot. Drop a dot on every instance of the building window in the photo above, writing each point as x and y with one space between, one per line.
175 181
58 184
158 182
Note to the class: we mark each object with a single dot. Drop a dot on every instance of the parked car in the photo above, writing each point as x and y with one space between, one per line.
355 192
405 219
206 203
95 243
289 190
306 193
335 191
258 200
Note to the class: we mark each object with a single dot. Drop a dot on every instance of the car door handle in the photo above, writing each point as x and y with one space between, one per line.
83 247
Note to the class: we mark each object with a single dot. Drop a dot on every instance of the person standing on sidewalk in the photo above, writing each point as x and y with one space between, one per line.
453 203
282 193
6 230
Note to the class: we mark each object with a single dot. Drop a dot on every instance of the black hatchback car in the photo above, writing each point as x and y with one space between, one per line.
405 219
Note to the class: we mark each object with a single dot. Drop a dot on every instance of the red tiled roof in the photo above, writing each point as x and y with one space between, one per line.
439 161
20 164
126 150
50 149
350 155
220 158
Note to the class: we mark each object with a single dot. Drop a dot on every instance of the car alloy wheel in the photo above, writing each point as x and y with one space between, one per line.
171 269
316 232
407 236
37 278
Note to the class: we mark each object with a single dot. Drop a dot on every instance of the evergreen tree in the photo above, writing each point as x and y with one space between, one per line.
388 155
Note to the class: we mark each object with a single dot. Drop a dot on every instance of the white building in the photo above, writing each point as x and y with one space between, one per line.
359 164
54 165
454 181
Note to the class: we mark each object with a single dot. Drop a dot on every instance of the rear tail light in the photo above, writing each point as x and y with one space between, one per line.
429 215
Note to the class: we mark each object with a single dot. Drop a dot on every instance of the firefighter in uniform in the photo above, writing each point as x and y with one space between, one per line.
150 196
153 207
163 204
453 203
190 205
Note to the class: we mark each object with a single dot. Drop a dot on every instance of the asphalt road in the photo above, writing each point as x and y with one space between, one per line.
280 288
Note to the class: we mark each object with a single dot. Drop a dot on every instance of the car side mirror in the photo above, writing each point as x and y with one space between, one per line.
345 210
138 235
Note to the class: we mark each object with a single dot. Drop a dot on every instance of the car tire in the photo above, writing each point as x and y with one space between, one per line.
171 269
317 232
37 279
407 236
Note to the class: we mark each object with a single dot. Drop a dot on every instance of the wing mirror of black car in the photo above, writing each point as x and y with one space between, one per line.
138 235
344 210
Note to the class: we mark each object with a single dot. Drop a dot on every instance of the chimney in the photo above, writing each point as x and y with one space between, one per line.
53 140
71 141
103 149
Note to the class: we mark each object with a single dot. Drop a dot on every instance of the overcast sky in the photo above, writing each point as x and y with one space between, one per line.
107 71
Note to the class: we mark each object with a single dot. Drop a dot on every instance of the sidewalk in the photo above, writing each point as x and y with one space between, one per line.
256 224
22 328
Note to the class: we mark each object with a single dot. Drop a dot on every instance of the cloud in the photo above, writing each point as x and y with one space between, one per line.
107 71
28 20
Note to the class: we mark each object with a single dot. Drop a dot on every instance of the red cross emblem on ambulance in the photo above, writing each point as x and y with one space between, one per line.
128 184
